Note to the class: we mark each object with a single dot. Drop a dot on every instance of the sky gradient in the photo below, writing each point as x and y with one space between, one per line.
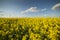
29 8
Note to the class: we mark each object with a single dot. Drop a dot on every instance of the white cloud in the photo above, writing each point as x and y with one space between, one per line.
56 6
32 9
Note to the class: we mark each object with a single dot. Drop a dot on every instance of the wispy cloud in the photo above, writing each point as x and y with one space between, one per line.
56 6
44 9
33 9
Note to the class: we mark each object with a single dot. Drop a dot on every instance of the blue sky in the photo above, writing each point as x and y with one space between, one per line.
29 8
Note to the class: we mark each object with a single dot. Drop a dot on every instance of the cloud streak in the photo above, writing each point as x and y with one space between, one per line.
56 6
33 9
43 9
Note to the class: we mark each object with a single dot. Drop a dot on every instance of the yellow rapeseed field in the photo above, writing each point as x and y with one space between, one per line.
29 28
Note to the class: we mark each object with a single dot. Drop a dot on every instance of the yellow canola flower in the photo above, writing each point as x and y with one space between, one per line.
3 33
24 37
12 39
31 35
36 28
7 32
45 26
11 29
16 28
30 26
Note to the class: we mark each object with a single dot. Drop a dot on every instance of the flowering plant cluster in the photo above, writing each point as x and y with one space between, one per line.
30 29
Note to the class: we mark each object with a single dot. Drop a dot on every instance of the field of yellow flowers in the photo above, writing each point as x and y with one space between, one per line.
29 28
